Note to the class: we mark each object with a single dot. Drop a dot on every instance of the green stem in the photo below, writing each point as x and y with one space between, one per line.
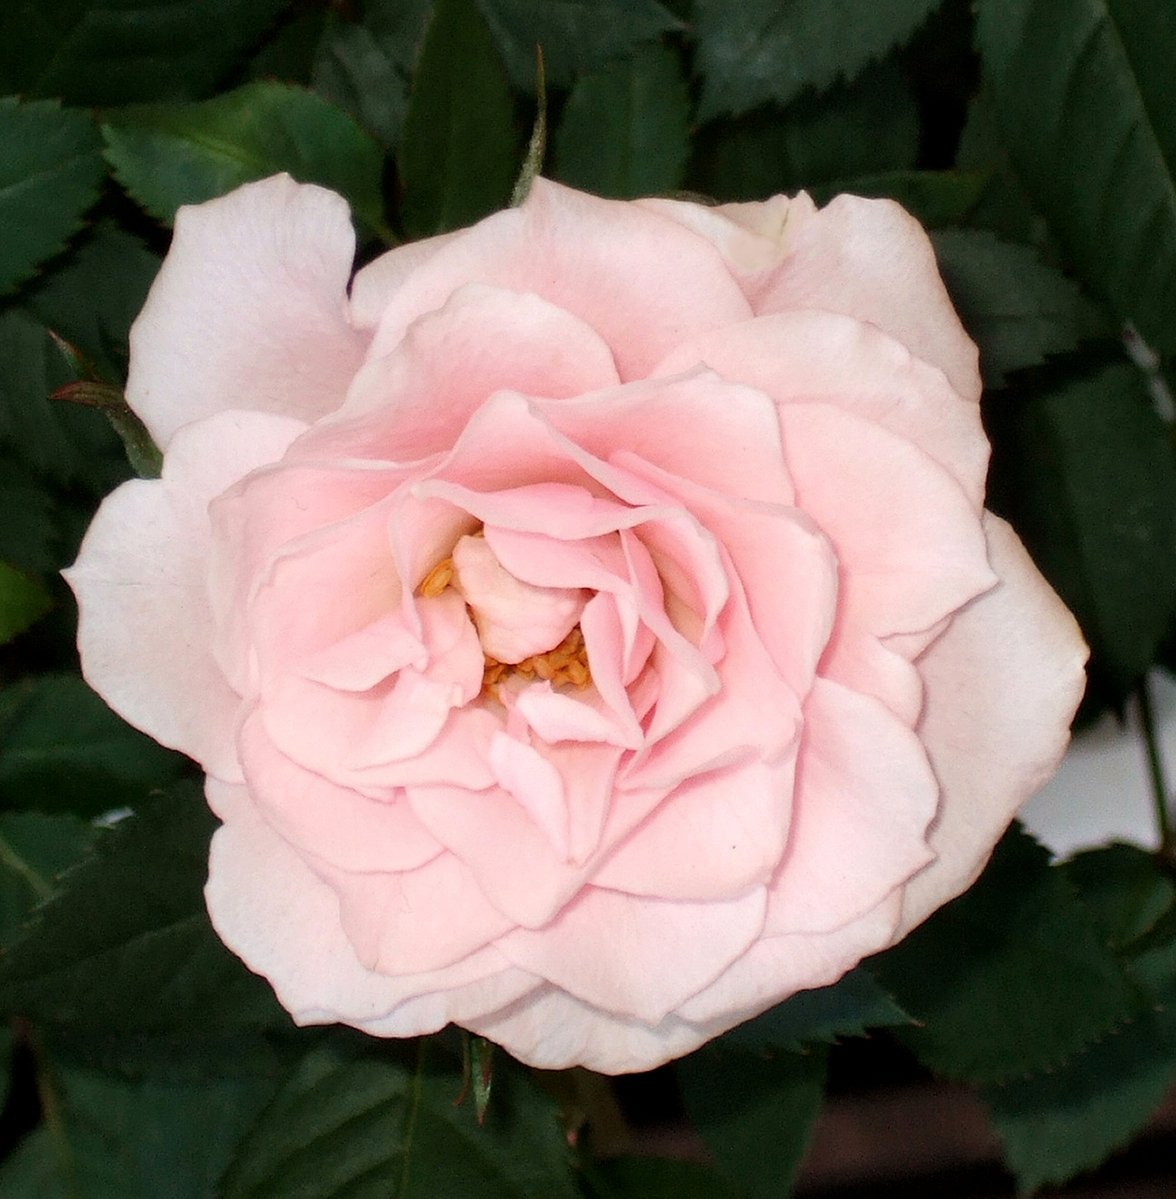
1155 767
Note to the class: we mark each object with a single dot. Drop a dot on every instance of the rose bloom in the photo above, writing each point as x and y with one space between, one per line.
588 623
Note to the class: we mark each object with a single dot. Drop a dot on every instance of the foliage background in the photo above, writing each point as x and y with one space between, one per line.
1037 141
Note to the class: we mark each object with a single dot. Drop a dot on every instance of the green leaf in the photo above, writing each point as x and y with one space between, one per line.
1084 469
91 298
655 1178
128 946
1011 977
459 153
625 130
935 198
50 171
370 1126
358 73
143 1138
37 1169
1057 1124
59 441
1085 106
23 601
166 155
63 749
848 1008
1018 310
862 128
753 51
95 52
576 35
28 525
755 1113
35 850
1125 888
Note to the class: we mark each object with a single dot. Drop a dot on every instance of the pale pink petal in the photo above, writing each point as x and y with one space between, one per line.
552 1030
249 310
526 775
823 357
515 620
494 835
636 956
864 663
1002 686
908 540
714 837
711 430
414 921
641 281
374 285
865 796
338 824
775 968
145 627
578 717
416 399
272 911
870 259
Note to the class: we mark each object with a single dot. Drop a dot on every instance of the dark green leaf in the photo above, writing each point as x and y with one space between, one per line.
374 1128
576 35
60 441
37 1169
289 54
128 945
50 171
1084 469
94 52
357 72
625 130
1125 888
656 1178
862 128
1018 310
143 1139
35 850
62 748
848 1008
28 529
92 297
166 155
459 154
23 601
1010 978
760 50
1057 1124
1085 106
755 1113
936 198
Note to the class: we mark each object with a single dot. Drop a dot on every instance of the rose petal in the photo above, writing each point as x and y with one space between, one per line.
248 310
637 956
1002 685
560 244
145 629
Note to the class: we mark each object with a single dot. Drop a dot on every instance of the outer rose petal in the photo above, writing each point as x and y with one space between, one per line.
1003 684
248 310
271 910
869 259
145 627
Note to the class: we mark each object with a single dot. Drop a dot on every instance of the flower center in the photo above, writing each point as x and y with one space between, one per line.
515 621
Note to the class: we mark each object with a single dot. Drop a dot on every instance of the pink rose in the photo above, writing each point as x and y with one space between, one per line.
590 626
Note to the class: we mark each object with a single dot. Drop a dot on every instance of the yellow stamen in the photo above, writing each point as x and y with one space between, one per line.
567 664
437 579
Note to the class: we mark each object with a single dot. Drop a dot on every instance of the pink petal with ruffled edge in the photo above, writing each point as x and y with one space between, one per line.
259 890
1002 685
561 244
249 310
145 627
865 796
826 358
416 399
635 956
